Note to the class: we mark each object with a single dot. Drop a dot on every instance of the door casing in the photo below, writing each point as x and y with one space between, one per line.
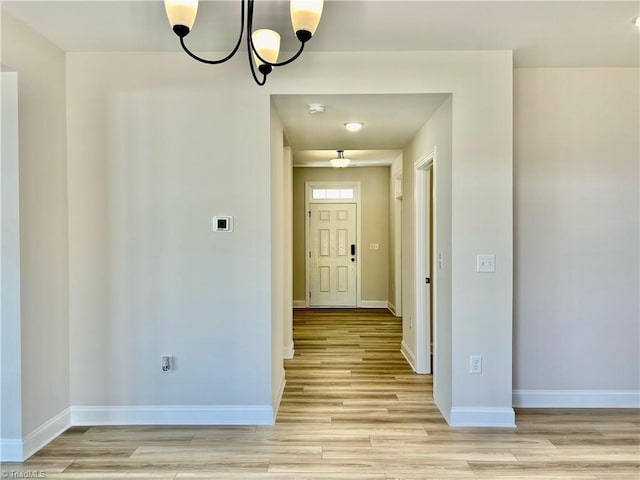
425 224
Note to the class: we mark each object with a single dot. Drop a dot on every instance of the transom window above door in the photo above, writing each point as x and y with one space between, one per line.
332 193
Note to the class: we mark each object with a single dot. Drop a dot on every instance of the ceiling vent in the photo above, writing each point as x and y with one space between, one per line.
316 108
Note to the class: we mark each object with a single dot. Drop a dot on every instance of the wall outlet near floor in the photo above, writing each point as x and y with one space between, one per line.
475 364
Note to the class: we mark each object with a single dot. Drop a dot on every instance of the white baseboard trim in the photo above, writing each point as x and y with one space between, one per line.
11 450
46 432
482 417
576 398
299 304
373 304
443 406
277 397
288 351
408 354
18 450
392 308
173 415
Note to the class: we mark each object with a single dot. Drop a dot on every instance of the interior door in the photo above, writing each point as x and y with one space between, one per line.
333 256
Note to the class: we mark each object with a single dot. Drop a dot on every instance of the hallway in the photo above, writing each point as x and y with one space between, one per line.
348 368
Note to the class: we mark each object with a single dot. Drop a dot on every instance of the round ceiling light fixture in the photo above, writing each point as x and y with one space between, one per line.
340 161
353 126
636 22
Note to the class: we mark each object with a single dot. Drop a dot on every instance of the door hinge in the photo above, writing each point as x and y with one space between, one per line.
427 280
309 254
309 294
309 213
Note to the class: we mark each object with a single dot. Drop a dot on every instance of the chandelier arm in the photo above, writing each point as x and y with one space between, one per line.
251 66
231 54
252 47
277 64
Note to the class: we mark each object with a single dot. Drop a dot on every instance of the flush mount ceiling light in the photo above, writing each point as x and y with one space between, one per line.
636 22
353 126
340 161
263 46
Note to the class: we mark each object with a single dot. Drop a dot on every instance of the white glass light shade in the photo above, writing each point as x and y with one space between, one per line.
340 162
267 44
353 126
305 14
181 12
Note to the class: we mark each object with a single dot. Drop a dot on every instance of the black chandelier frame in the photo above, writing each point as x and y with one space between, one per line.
266 67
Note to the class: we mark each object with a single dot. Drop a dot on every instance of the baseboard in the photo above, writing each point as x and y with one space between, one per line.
18 450
373 304
11 450
482 417
392 308
46 432
576 398
299 304
408 354
277 397
288 351
444 405
173 415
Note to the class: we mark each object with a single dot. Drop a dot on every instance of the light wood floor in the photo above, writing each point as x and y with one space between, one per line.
352 409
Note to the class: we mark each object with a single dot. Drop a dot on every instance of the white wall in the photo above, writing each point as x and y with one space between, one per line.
278 249
436 134
43 227
153 154
576 237
10 347
287 292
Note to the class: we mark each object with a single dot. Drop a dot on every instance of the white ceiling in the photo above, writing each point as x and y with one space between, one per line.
390 121
540 33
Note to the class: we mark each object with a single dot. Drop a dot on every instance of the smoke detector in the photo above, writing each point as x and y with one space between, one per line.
316 108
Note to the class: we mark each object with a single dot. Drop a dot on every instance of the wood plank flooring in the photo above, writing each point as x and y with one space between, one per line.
353 410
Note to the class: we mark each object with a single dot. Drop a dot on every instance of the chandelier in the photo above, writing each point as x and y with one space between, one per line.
263 46
340 161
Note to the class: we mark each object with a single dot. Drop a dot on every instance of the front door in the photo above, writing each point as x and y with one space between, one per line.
332 243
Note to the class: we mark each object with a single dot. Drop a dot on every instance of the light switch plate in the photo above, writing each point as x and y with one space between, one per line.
486 264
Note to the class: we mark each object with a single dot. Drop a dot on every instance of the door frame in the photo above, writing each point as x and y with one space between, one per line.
308 199
397 206
425 224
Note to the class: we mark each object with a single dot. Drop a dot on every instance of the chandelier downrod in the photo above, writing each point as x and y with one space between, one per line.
305 16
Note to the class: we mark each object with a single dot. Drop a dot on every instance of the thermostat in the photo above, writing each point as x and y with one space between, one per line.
222 224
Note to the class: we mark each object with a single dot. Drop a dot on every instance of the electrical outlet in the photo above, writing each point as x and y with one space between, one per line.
475 364
486 264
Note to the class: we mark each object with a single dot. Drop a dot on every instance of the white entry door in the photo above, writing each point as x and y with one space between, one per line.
333 256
